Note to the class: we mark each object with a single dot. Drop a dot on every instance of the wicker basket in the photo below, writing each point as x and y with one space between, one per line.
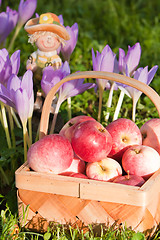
68 200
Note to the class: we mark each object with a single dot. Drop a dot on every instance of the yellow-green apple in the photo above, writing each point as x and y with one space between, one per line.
141 160
68 129
77 166
150 131
78 175
52 154
133 180
124 133
105 170
91 142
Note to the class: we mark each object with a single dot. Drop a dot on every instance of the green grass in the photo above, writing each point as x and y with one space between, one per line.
119 24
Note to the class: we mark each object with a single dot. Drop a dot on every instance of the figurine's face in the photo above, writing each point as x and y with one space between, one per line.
47 43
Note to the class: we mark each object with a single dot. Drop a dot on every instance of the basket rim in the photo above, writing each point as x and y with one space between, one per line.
84 188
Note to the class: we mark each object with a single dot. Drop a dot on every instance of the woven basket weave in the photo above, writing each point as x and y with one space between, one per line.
79 202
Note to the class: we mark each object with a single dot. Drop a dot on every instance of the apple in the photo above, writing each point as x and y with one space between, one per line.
150 131
105 170
77 166
124 133
68 129
141 160
91 142
52 154
128 179
78 175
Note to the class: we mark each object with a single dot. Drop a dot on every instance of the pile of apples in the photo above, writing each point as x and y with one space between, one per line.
84 148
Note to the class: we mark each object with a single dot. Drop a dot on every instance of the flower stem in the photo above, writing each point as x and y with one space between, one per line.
4 176
30 128
55 116
1 119
119 104
18 28
69 108
11 126
100 103
109 102
15 118
25 141
5 124
134 109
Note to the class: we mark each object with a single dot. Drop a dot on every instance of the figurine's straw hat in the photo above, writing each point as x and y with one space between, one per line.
47 22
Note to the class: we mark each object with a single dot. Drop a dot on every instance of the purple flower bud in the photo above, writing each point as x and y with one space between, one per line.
128 63
8 66
26 10
8 21
104 61
71 43
19 94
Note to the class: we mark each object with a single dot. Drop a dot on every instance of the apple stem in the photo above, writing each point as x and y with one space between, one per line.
109 102
128 176
119 104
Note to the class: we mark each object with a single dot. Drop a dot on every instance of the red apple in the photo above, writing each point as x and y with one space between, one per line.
141 160
124 133
77 166
78 175
91 141
128 179
68 129
51 154
105 170
150 131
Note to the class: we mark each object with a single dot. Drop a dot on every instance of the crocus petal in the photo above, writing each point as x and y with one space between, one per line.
26 10
49 78
61 19
13 84
4 19
151 74
27 82
121 60
5 96
71 43
133 57
74 87
15 61
22 106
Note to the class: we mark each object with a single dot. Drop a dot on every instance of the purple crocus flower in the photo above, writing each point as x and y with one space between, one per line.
128 63
51 77
104 61
68 48
61 19
19 95
68 89
8 21
8 65
141 74
26 10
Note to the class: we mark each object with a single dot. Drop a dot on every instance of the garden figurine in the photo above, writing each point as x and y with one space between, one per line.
48 34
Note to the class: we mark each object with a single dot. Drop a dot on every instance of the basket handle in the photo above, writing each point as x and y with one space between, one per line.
148 91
